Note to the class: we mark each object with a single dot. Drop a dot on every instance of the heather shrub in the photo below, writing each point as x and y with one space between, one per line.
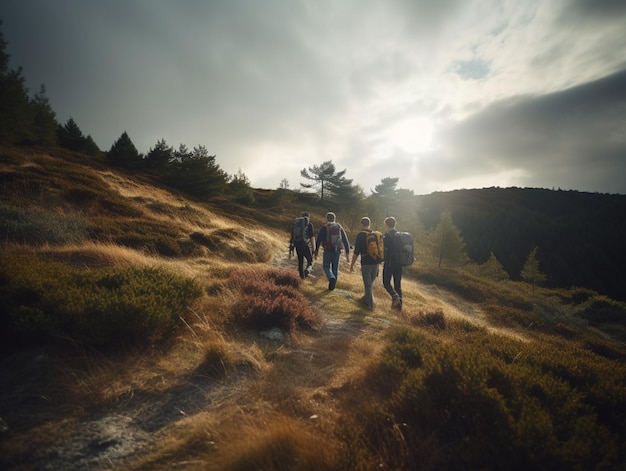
270 298
495 402
100 307
600 309
434 319
34 226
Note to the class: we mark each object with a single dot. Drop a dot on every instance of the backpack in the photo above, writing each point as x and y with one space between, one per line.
333 237
403 248
300 231
375 245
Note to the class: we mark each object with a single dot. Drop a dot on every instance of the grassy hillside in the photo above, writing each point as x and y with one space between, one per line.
143 329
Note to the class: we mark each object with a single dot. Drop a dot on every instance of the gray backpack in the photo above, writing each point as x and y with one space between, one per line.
403 249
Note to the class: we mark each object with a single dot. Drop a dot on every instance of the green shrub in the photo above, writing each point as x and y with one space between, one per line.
36 226
494 403
105 307
600 309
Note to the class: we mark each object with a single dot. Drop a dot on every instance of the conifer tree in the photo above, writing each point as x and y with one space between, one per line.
328 181
195 172
493 269
159 156
386 187
448 243
239 186
44 119
70 136
531 272
90 147
385 193
124 153
15 110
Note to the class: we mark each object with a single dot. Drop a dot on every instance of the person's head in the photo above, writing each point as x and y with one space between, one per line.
365 222
306 215
390 222
330 216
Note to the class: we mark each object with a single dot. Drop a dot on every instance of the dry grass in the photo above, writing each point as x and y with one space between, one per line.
216 395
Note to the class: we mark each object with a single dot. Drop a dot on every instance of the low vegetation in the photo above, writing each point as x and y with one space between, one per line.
134 305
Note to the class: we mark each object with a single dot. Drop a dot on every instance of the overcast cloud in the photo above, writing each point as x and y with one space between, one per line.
442 94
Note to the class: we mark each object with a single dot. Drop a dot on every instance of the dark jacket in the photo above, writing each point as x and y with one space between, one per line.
389 248
360 248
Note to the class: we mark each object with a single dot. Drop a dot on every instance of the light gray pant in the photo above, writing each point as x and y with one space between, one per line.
369 273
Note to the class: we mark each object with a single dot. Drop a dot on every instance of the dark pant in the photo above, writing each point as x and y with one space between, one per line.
395 272
303 252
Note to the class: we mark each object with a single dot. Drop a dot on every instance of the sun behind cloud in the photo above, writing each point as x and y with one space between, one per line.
413 135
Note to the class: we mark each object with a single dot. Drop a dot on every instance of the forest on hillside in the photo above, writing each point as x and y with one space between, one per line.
580 236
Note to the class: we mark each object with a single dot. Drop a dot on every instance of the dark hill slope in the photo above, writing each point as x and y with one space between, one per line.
581 236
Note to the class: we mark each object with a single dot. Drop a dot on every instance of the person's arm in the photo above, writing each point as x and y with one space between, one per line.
346 244
356 252
311 237
355 255
320 236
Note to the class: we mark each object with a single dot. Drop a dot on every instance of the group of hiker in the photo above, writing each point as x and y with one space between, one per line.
371 246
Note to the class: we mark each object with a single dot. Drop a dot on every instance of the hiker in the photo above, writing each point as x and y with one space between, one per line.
391 268
333 237
369 264
303 240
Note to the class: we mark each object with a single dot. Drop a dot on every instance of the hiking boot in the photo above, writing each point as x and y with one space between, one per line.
308 271
332 283
399 305
365 304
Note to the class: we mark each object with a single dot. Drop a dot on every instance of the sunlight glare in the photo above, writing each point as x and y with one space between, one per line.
412 135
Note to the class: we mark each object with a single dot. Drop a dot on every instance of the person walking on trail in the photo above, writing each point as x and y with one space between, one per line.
369 265
303 240
333 237
392 269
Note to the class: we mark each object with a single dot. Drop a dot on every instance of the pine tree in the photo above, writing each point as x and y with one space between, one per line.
15 108
124 153
493 269
531 272
195 172
386 187
159 156
70 136
90 147
385 193
328 181
44 119
239 186
448 243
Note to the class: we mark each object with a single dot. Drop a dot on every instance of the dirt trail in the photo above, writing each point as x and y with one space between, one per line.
455 306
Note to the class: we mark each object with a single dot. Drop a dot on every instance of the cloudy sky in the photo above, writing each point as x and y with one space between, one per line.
442 94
